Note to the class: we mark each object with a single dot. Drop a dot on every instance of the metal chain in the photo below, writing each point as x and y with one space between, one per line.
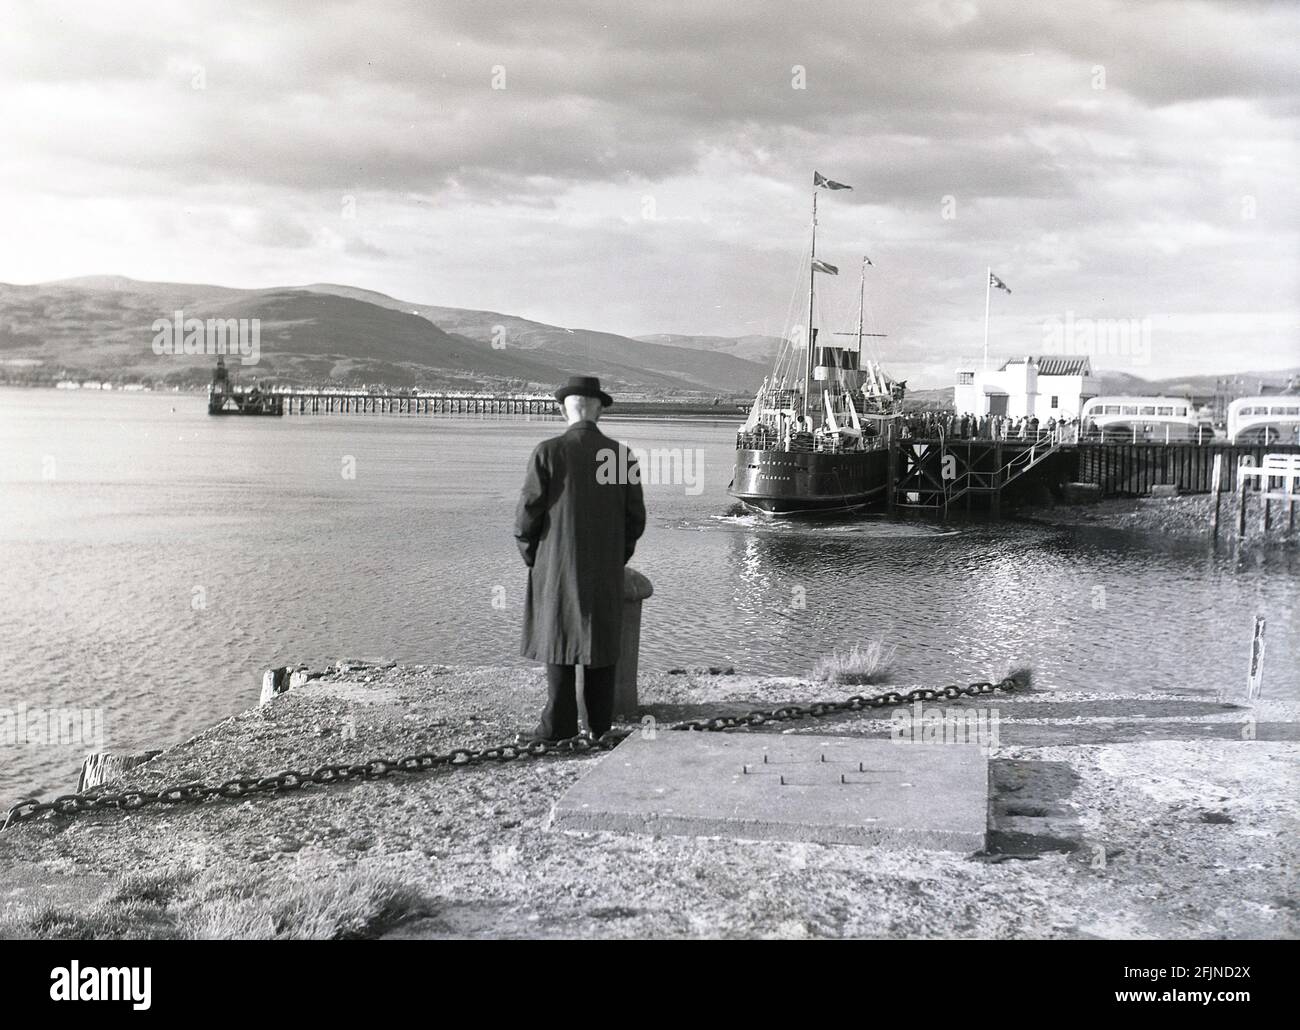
97 800
856 703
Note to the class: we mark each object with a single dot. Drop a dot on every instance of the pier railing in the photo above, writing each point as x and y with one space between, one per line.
804 442
363 402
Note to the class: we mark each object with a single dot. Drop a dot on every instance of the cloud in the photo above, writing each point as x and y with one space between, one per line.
1114 154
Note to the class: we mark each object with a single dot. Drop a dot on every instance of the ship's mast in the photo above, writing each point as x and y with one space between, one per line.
812 279
862 300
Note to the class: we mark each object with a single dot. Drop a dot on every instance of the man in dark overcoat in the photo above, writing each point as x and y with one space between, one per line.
579 517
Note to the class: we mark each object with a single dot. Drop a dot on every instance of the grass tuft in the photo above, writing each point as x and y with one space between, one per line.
356 905
103 920
150 888
1023 675
863 663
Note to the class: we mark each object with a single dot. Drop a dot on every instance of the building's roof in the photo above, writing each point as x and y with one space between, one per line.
1055 366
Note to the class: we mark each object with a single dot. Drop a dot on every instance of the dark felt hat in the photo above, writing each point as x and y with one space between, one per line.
583 386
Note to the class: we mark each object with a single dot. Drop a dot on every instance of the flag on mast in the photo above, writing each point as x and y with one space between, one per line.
828 184
824 266
997 283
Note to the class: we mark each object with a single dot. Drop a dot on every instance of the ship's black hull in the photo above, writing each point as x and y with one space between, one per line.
789 482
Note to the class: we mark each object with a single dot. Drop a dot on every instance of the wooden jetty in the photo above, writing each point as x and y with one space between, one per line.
936 473
365 402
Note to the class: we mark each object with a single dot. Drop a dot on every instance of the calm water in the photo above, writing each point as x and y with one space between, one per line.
155 560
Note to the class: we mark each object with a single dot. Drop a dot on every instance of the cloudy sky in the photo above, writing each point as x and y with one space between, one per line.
645 167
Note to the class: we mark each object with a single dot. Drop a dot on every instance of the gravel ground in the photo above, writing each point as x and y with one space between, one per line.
1110 817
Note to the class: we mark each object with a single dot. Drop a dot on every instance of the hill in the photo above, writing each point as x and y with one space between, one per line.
618 359
101 327
760 349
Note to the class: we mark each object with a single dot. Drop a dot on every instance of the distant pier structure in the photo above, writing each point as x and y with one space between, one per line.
225 398
366 402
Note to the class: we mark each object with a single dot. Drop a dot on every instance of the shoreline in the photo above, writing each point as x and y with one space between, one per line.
1109 816
1185 517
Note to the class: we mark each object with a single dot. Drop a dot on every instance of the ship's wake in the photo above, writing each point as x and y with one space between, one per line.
869 526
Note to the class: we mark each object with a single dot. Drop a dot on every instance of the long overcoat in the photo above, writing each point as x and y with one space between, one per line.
579 517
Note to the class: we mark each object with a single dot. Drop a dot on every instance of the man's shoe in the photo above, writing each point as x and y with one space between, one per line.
533 737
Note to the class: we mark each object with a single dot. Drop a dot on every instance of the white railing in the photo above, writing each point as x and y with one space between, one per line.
1282 467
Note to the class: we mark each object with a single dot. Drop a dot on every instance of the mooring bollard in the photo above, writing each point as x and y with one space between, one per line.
274 681
100 767
288 677
636 588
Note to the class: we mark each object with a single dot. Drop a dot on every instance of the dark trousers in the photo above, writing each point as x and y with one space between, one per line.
560 717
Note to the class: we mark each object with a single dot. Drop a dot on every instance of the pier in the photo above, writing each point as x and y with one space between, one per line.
365 402
936 473
930 473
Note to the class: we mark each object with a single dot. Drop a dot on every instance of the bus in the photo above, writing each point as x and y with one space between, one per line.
1145 419
1266 420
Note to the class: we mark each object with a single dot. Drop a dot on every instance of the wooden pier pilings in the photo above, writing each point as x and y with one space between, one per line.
934 473
311 402
1130 469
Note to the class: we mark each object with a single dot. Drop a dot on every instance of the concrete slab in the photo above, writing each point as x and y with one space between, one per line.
822 789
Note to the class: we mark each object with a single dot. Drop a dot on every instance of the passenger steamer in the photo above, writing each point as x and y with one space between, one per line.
817 437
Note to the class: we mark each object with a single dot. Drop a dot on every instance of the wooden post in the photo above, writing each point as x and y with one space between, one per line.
100 767
274 682
995 501
1241 497
892 480
1216 487
636 588
1255 677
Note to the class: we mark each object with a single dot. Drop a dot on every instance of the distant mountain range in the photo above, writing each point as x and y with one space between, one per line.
100 327
762 349
1192 386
